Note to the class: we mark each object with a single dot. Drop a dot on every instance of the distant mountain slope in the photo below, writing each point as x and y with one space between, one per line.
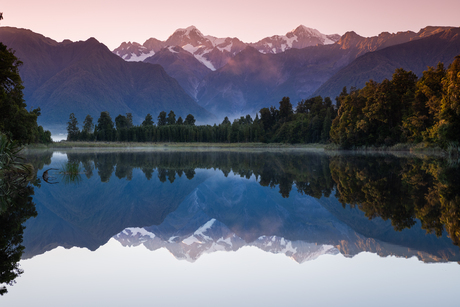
182 66
415 55
86 78
252 80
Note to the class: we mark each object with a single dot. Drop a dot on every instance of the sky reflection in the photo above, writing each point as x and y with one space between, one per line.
118 276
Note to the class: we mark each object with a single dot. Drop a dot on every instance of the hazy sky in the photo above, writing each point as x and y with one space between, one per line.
115 21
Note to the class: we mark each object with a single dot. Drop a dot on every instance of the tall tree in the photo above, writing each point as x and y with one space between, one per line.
449 130
162 118
190 120
266 118
129 118
105 129
286 111
72 128
88 125
121 122
15 121
148 122
171 120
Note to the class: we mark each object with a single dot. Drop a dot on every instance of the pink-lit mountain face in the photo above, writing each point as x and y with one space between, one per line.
232 78
212 77
215 52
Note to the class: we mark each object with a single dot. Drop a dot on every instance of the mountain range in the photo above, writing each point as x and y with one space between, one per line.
87 78
212 77
244 77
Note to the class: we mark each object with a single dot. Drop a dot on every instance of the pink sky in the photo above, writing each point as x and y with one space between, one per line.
115 21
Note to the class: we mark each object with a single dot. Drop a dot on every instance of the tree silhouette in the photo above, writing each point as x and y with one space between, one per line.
72 128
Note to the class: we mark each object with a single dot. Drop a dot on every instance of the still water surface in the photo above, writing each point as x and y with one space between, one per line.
173 228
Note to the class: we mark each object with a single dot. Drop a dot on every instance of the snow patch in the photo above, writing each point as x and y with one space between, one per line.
215 41
136 230
205 227
199 232
205 61
193 50
171 240
171 49
140 58
226 241
190 240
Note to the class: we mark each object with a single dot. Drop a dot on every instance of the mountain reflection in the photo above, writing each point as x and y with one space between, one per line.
300 204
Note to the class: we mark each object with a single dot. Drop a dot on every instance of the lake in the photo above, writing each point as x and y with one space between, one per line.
242 227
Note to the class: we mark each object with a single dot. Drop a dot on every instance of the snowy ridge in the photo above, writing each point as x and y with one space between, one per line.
198 54
214 236
300 37
171 49
138 58
214 52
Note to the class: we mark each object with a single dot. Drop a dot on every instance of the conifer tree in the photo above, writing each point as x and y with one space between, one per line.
148 122
72 128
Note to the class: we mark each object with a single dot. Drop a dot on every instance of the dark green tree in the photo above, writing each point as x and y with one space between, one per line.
72 128
15 121
171 120
180 121
162 118
148 122
190 120
88 125
129 118
121 122
105 129
266 118
449 128
285 112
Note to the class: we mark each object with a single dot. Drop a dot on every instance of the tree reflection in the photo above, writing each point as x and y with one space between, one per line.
402 190
308 174
16 206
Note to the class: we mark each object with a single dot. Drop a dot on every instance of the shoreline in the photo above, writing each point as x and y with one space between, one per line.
421 148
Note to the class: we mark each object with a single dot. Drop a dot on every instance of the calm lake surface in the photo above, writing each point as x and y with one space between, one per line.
219 228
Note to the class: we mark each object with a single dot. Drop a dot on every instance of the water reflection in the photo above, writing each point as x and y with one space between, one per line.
300 204
16 206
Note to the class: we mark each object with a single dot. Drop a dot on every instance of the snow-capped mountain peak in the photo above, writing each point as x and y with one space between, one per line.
187 31
214 52
300 37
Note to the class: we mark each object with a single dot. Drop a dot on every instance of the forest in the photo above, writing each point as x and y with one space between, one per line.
404 109
309 122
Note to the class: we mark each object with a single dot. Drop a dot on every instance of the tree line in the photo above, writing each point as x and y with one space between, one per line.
404 109
309 122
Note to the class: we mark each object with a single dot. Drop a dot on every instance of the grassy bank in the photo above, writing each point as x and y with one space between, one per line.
67 145
406 147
